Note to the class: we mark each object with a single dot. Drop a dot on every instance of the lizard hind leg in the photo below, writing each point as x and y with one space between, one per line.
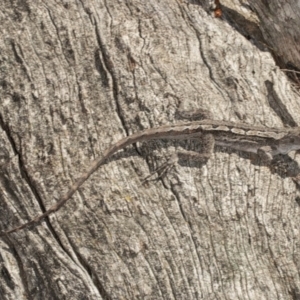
208 145
208 142
162 170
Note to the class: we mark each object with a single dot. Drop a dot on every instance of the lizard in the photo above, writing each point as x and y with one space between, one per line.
263 141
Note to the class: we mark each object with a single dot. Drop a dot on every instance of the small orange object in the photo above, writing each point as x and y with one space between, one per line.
218 13
218 10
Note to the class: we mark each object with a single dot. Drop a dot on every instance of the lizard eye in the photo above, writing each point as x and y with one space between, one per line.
292 140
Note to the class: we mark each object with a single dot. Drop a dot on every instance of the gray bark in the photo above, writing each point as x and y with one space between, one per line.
76 77
280 24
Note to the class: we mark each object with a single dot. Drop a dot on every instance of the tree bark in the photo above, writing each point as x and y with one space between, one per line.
76 76
280 24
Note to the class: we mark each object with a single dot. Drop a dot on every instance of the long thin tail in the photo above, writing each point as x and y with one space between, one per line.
148 134
76 185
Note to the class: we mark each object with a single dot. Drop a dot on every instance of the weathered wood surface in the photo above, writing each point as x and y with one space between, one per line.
280 25
77 76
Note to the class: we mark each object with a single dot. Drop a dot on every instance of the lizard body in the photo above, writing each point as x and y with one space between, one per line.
267 142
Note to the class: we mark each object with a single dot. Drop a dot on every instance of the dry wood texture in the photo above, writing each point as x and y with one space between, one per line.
75 77
280 25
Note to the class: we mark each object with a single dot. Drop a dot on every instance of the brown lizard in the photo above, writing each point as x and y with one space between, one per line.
266 142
